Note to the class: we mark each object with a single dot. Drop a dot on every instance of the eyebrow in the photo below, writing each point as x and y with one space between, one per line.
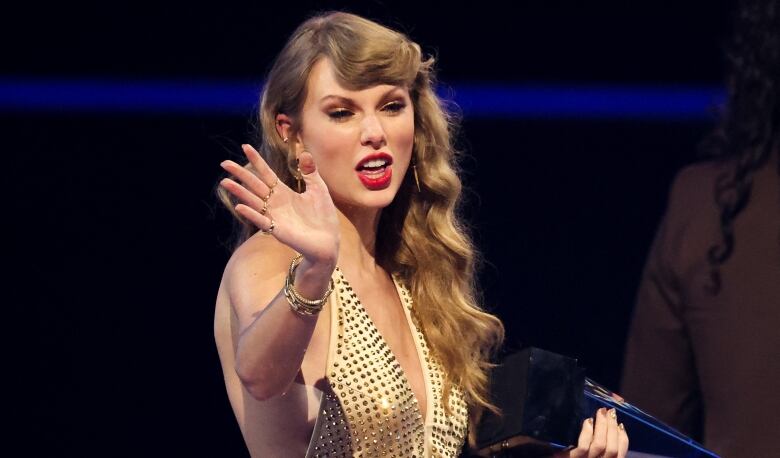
348 101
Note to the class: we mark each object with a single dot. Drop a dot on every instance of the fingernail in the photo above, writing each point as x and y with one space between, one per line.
589 421
622 427
613 414
223 164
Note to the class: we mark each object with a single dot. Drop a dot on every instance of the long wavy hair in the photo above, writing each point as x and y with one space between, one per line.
421 235
749 129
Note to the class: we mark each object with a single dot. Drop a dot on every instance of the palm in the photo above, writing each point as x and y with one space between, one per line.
307 223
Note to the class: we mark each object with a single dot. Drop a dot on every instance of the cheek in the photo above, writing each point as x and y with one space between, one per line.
402 144
328 144
322 137
404 136
331 143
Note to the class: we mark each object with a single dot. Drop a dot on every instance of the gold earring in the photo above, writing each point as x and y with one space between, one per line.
298 174
416 178
285 139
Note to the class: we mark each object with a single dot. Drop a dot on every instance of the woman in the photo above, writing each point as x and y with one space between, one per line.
702 350
394 359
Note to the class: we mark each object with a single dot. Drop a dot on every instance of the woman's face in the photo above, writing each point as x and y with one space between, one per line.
361 141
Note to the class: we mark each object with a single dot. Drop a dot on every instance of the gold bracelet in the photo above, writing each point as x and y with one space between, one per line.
298 303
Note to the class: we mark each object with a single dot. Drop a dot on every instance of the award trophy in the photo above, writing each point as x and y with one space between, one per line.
544 397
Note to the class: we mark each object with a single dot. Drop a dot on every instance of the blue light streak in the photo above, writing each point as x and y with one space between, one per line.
477 101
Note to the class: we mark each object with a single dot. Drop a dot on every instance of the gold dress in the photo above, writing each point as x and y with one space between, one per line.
369 408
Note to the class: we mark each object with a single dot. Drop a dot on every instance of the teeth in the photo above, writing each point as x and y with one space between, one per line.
374 163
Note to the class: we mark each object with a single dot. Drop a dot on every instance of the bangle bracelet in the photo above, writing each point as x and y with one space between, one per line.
298 303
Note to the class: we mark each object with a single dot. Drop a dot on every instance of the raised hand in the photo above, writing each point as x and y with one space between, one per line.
307 223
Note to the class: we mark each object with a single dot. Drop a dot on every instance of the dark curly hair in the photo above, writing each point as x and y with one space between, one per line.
749 129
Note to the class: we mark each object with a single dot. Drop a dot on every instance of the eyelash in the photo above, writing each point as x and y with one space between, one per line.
393 107
396 106
339 114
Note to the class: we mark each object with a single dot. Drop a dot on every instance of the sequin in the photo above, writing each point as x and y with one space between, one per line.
364 372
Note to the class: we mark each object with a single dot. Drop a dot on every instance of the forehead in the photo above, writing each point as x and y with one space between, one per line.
323 82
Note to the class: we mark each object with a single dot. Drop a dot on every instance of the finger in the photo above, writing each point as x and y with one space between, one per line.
254 217
599 442
622 441
583 442
247 178
258 163
612 435
309 170
306 163
242 194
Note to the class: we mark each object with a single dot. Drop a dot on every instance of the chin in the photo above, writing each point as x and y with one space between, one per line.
370 199
378 199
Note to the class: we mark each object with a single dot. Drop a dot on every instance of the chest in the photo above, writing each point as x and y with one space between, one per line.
378 326
384 394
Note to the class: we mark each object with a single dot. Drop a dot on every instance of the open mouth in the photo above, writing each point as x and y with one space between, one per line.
375 171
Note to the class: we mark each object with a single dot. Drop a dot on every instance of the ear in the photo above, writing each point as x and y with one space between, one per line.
283 125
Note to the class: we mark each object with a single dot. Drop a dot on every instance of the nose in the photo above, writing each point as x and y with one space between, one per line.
372 133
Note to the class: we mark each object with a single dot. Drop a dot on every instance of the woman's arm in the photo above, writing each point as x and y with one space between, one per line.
272 337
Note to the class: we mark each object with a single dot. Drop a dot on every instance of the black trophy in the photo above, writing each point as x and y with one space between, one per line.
544 397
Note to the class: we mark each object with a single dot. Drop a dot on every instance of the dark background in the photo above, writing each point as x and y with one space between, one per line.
117 242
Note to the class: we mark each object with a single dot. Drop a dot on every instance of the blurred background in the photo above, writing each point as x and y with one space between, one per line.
116 115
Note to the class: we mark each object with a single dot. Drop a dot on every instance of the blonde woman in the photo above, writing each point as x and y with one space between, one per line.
347 320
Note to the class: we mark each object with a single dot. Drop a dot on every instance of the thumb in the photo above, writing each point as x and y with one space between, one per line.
309 171
308 168
306 164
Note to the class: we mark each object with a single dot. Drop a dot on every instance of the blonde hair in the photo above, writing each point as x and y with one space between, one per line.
420 235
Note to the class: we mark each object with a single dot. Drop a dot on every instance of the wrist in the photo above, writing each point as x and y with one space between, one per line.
320 268
321 263
313 277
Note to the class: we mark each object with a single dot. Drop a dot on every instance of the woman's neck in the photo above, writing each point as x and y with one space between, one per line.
357 251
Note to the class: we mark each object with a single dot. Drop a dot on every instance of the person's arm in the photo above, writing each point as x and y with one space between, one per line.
659 374
272 337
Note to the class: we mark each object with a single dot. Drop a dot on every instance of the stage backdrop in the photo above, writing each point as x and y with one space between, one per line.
116 116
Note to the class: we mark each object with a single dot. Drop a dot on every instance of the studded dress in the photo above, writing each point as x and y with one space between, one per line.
369 408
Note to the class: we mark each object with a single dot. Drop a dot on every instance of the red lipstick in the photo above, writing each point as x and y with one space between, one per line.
375 171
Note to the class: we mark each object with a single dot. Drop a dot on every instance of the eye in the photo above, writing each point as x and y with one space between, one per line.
394 107
339 114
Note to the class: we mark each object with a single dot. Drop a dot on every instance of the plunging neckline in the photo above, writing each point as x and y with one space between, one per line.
406 304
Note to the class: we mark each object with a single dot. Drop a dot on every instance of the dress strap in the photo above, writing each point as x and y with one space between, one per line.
333 336
328 402
422 358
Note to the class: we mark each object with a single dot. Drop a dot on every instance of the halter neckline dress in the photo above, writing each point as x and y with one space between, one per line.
368 407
